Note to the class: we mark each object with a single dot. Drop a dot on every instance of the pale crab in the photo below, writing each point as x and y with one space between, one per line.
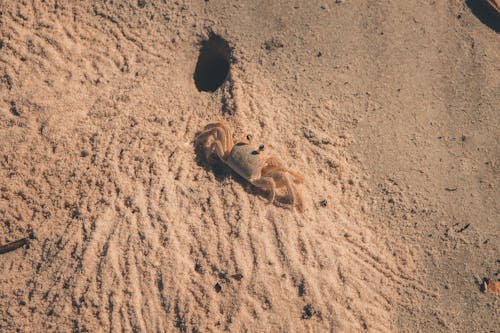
266 173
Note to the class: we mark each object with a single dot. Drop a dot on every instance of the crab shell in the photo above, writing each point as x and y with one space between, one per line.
246 161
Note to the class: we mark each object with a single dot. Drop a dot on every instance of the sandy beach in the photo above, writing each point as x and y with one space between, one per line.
390 110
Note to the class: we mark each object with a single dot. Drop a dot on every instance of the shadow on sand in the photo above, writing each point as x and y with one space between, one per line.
485 14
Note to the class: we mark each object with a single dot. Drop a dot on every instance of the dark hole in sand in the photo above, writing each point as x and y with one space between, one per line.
213 65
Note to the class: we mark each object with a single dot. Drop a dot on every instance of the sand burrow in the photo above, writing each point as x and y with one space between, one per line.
214 62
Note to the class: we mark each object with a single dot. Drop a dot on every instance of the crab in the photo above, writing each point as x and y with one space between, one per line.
250 162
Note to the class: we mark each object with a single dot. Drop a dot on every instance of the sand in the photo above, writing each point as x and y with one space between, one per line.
389 109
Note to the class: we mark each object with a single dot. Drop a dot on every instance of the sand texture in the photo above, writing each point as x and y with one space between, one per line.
390 109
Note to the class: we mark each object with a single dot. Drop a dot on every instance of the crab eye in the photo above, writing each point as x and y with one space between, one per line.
261 147
255 152
249 137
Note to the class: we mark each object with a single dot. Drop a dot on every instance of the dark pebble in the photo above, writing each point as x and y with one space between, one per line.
308 311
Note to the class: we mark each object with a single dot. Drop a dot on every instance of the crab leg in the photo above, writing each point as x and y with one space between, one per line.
217 131
221 131
290 188
298 198
272 164
267 183
228 134
220 136
229 139
219 150
282 178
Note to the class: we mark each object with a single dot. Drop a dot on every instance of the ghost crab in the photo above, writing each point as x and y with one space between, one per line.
250 162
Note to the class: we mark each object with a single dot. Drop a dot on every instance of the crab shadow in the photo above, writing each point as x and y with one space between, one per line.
223 174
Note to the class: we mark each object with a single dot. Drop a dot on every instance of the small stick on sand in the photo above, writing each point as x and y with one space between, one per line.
13 245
